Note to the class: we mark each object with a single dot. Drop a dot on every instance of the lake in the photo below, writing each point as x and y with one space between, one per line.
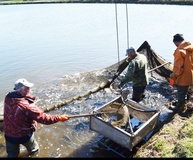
43 42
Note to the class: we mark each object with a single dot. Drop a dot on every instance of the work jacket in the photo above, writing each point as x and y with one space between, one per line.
137 72
21 115
183 64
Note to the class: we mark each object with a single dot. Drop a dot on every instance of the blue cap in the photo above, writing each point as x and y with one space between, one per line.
129 51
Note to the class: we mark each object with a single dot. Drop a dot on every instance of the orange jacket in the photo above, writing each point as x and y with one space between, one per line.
183 64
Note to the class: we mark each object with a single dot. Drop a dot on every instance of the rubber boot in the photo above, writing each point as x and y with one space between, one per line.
179 105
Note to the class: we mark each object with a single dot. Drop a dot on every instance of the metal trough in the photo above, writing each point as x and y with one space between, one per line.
146 118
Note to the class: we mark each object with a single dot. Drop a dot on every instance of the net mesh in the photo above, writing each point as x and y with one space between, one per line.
154 61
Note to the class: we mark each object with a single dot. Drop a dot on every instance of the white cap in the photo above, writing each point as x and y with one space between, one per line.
22 82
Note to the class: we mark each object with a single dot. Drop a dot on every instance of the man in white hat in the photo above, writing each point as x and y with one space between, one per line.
137 73
21 116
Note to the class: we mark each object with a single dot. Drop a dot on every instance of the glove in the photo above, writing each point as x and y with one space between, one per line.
172 81
63 118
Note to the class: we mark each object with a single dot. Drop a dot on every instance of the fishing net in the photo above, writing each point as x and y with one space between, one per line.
154 61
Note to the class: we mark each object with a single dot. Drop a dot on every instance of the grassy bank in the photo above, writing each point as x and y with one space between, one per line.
170 2
173 139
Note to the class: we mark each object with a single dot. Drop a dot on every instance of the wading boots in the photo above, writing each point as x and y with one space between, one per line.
177 107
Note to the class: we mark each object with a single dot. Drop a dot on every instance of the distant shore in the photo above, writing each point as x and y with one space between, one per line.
164 2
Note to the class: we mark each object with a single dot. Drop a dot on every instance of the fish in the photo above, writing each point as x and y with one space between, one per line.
118 114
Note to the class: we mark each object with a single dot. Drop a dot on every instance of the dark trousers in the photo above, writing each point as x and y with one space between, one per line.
138 93
13 149
181 95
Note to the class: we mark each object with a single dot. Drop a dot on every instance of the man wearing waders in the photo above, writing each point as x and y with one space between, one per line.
182 73
137 73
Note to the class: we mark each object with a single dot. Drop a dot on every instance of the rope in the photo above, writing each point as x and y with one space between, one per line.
117 32
127 26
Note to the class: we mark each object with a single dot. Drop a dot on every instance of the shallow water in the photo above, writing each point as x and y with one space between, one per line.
73 138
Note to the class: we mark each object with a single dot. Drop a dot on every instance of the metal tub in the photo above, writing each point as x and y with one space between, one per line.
147 116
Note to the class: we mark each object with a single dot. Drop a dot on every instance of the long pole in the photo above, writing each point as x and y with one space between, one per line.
158 67
90 114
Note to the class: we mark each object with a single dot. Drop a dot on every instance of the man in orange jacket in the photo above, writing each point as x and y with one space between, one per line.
21 116
183 68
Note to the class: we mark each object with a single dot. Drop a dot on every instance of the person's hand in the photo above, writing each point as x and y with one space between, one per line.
172 81
128 59
119 86
63 118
